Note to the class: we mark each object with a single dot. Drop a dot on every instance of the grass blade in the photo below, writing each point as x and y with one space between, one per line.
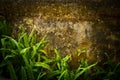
31 35
43 65
34 52
30 73
13 42
40 75
21 37
53 74
83 70
11 71
23 73
62 75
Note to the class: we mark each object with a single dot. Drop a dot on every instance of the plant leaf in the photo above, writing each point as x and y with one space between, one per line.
53 74
40 75
11 71
83 70
43 65
62 74
23 73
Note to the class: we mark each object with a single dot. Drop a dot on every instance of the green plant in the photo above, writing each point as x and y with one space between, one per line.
63 71
60 67
107 71
83 70
79 52
24 58
5 28
26 54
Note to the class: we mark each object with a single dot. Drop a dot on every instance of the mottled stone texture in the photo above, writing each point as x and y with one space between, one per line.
90 24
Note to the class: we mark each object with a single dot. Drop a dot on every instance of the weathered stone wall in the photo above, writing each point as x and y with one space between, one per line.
70 26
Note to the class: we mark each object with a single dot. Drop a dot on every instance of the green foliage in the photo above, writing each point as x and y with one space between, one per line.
60 69
23 73
24 53
82 70
5 28
25 59
11 71
81 51
29 61
109 70
63 71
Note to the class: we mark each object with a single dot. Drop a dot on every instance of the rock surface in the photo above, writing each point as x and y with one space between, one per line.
70 26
